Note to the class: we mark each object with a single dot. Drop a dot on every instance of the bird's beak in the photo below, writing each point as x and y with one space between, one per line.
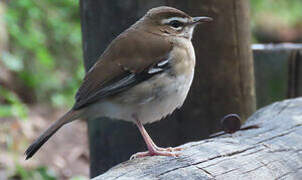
202 19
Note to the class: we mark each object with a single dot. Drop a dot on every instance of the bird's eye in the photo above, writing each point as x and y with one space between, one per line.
176 24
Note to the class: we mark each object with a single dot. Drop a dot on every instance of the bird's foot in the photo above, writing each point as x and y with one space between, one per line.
169 149
162 152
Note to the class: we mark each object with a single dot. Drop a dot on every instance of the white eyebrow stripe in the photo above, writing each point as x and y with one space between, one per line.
167 21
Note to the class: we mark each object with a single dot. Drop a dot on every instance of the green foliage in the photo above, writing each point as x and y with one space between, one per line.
287 11
14 107
40 173
45 47
79 178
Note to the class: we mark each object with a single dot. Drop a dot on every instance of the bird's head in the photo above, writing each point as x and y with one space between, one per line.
169 21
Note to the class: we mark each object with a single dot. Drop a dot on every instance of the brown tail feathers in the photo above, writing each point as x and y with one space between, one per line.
35 146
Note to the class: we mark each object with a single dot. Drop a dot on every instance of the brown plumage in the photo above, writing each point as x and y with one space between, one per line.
117 62
143 75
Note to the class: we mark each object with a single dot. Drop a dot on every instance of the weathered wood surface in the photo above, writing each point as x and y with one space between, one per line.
273 150
278 72
223 83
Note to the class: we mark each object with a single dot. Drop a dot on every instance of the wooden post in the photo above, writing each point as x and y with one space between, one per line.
223 82
278 72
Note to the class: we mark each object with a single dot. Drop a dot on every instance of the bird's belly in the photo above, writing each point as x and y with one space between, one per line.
149 101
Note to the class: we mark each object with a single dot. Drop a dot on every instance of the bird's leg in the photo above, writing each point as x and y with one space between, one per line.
170 149
153 150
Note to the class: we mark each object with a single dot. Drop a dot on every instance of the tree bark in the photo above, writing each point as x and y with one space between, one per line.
223 82
267 147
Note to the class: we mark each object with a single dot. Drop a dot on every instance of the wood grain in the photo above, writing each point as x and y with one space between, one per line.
270 149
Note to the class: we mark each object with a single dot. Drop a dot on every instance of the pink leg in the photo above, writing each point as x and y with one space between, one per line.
153 150
170 149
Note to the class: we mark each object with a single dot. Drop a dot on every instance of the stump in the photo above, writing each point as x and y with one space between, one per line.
268 146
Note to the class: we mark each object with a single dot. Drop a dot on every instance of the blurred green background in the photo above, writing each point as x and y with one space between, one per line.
44 39
41 62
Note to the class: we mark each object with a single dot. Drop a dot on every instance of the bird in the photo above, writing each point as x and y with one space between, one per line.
143 75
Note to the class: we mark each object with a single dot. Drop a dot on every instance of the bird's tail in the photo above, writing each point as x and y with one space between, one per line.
35 146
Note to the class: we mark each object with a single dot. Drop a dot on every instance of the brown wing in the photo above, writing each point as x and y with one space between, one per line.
124 64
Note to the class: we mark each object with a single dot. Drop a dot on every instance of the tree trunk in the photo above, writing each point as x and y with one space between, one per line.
223 82
269 147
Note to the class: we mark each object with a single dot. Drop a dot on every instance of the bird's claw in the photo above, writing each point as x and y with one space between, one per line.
154 153
169 149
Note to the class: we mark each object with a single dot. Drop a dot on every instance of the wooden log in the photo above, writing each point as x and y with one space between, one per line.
278 72
223 84
268 146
